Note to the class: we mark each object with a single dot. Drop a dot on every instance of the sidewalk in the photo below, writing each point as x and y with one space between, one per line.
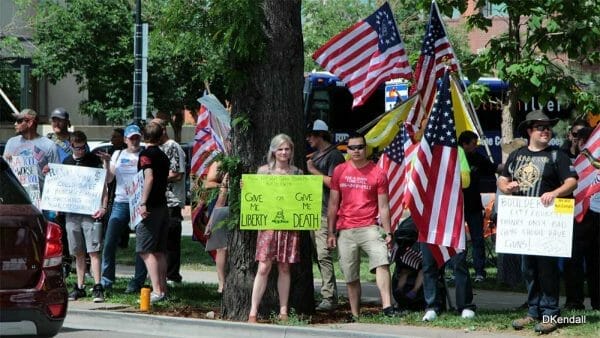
210 328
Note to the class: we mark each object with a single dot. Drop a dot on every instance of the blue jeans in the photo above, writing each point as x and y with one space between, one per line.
543 280
140 274
431 274
117 223
475 221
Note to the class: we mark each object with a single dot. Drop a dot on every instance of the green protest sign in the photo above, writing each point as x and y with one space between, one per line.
281 202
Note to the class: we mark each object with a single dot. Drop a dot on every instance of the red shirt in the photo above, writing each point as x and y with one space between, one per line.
359 190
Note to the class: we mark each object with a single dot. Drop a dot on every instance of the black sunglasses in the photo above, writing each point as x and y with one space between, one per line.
357 147
541 127
19 121
78 148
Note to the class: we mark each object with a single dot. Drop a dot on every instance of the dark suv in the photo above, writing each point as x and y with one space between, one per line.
33 294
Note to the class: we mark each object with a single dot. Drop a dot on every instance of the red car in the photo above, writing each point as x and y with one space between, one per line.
33 293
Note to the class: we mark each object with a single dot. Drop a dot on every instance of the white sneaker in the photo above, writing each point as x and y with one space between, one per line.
467 313
429 316
156 297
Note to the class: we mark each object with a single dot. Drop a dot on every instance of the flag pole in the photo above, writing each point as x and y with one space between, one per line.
378 118
470 106
8 102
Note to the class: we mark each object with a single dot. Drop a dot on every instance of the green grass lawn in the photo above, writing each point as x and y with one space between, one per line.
200 297
193 256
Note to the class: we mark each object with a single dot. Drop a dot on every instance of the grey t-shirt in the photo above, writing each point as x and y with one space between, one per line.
325 162
40 148
175 190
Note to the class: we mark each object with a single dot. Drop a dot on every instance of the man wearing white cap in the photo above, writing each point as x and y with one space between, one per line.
323 161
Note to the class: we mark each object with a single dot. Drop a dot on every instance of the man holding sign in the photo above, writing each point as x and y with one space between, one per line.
359 193
83 233
538 171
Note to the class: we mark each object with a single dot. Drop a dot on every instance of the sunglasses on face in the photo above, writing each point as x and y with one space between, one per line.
80 148
541 127
19 121
357 147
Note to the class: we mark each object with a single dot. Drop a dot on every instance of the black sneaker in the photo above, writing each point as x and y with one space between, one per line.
98 293
76 293
132 289
390 311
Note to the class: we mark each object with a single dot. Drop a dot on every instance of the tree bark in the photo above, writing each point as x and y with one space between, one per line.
272 100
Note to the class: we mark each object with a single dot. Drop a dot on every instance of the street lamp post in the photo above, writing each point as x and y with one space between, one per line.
137 73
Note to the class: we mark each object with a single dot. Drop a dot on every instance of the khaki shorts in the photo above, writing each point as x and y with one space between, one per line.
80 235
368 239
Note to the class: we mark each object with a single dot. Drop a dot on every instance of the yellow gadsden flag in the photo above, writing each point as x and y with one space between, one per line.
386 129
462 119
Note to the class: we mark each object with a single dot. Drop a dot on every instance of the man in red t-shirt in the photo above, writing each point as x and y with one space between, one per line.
359 193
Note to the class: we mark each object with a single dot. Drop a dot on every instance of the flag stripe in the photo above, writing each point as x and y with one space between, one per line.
436 53
588 183
435 199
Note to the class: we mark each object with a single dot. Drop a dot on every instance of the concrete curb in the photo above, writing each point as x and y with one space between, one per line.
184 327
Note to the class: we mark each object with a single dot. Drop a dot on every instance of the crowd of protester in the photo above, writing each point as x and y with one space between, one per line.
354 218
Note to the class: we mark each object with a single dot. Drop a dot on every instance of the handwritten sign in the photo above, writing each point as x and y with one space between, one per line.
74 189
26 170
134 189
281 202
526 227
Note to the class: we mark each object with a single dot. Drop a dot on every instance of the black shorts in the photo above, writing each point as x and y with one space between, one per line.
151 233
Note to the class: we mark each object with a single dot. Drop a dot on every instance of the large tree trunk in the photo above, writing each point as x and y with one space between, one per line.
272 100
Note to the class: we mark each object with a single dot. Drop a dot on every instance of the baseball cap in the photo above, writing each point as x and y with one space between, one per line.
132 130
320 125
26 113
60 113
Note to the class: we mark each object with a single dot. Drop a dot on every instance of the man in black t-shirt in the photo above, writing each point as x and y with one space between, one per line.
151 233
479 166
82 234
537 170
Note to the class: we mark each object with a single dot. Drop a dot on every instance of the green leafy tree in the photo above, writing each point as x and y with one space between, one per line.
9 76
264 59
184 60
543 39
93 41
323 19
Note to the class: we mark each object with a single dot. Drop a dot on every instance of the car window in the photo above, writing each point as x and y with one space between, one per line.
12 192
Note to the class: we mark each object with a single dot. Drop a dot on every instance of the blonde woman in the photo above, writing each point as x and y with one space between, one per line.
276 245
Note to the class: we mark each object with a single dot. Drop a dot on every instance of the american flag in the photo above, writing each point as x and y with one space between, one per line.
435 197
436 54
207 143
589 174
366 54
394 162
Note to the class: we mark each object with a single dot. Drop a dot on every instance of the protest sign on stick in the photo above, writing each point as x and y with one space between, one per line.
281 202
74 189
526 227
133 189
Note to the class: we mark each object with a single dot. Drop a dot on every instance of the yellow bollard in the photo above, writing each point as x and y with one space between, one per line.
145 299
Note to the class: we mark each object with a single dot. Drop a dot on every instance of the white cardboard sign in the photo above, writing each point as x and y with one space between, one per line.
74 189
26 170
526 227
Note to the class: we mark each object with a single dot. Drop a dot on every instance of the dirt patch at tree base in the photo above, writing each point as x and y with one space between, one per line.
341 314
